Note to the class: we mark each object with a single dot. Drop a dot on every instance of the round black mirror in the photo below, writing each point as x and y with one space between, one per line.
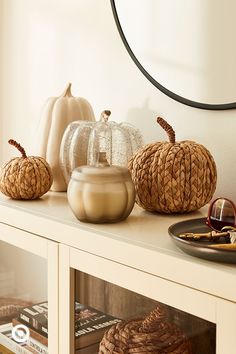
186 49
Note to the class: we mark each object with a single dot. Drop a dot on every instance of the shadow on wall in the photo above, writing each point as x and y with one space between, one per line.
144 118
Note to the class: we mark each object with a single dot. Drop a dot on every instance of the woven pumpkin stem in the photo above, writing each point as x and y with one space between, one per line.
153 320
18 146
105 116
168 128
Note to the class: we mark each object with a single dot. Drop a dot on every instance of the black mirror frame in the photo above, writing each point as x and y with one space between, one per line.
163 89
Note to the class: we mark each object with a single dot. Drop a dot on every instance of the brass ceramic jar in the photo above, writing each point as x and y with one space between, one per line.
101 194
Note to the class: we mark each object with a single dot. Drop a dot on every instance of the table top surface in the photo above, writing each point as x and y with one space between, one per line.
140 241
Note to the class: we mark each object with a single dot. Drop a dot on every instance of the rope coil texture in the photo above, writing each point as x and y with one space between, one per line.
152 335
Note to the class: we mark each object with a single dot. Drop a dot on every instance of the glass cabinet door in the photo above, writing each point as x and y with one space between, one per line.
112 319
23 301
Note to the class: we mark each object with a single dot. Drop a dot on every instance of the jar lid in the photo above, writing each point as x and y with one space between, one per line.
101 174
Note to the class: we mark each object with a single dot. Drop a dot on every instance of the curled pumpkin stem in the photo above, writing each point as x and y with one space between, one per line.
168 128
18 146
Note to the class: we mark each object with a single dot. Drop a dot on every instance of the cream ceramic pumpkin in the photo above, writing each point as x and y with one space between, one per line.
57 113
81 143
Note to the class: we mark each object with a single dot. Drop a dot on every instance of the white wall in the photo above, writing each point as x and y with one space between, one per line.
47 43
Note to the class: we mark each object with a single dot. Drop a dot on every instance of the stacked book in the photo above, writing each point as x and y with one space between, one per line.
34 317
90 325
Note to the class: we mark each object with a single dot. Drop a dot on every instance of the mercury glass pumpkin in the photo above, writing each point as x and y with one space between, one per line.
101 193
82 142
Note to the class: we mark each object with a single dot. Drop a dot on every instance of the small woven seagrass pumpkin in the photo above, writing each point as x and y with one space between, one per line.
173 177
25 177
153 334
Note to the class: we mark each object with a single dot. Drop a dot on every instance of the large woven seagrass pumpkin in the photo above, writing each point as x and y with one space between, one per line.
171 176
57 113
25 177
153 334
83 141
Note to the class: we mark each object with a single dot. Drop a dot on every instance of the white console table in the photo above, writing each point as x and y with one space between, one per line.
136 254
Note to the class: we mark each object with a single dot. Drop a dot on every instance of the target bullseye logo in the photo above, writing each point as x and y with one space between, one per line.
20 333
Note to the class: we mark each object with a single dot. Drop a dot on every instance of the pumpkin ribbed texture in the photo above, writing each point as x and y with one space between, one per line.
154 335
57 114
81 143
173 177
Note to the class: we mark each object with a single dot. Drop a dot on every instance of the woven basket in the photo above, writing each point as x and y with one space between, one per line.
10 307
173 177
153 334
